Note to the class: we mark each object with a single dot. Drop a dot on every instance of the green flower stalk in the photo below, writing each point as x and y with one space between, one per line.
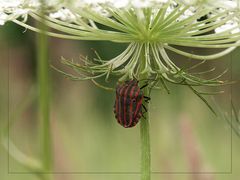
151 28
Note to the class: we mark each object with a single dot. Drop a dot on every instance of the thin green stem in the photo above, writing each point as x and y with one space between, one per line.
43 100
201 57
144 131
43 80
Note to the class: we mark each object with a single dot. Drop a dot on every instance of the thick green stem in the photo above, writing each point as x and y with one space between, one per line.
144 133
145 145
43 100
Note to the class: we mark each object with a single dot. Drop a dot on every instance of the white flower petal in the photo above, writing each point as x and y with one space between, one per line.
63 14
226 4
228 26
10 3
3 18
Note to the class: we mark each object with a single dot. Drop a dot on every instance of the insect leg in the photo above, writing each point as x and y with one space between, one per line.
147 99
144 86
145 108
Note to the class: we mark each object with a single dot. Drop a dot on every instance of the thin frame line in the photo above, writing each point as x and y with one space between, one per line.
231 152
8 113
107 173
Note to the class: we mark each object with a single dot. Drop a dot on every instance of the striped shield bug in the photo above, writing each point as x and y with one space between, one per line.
128 103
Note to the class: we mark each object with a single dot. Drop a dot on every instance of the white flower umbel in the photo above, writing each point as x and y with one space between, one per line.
150 27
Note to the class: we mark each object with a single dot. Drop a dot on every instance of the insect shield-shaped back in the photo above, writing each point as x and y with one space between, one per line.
128 103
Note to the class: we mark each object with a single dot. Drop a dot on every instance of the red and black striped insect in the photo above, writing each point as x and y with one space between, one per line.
128 107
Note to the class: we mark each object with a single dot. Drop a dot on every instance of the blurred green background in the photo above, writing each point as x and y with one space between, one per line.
185 136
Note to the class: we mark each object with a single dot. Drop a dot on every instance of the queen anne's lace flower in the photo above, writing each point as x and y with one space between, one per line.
151 28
